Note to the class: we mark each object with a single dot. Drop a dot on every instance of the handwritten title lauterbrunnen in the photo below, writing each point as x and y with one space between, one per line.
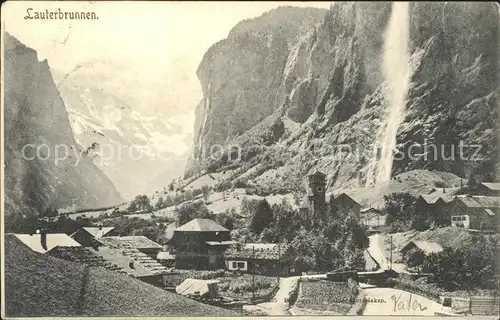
59 14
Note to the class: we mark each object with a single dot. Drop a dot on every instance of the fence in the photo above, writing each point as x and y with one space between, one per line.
477 306
484 306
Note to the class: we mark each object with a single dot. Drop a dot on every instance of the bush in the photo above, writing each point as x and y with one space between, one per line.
197 192
420 288
242 285
239 183
326 296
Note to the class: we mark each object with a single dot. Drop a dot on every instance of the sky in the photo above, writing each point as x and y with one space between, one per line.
162 43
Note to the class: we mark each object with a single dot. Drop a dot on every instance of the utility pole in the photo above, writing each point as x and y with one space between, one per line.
253 274
391 255
279 264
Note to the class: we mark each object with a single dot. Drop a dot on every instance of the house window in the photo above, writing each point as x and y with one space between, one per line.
238 265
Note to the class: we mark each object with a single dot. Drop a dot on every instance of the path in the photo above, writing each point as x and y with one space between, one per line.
278 306
377 252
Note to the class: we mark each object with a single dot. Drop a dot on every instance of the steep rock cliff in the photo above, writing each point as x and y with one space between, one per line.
330 101
241 74
36 119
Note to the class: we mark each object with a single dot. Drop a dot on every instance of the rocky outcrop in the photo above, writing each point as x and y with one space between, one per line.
241 74
328 104
36 128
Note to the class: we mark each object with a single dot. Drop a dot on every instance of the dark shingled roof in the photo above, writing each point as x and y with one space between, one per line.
83 255
495 186
201 225
425 246
130 242
112 259
44 286
480 201
265 251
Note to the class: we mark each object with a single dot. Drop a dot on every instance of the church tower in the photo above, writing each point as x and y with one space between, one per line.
316 195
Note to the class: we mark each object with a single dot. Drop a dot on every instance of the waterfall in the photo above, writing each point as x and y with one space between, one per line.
397 78
206 107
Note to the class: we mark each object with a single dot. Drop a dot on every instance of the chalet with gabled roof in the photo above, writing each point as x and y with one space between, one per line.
261 258
345 204
128 261
488 189
199 244
475 212
427 247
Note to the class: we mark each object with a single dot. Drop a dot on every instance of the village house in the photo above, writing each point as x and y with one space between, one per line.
43 242
491 189
140 243
199 244
260 258
466 207
123 260
436 205
41 285
426 247
475 212
345 205
89 236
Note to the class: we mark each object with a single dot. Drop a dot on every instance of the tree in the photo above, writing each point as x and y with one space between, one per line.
287 220
356 260
268 235
400 210
415 258
132 207
248 207
206 192
467 268
160 204
49 212
177 199
192 210
197 192
188 195
169 201
338 242
243 235
140 203
261 217
225 219
313 251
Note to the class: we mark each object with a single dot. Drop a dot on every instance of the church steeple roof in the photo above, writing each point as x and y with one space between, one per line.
317 173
